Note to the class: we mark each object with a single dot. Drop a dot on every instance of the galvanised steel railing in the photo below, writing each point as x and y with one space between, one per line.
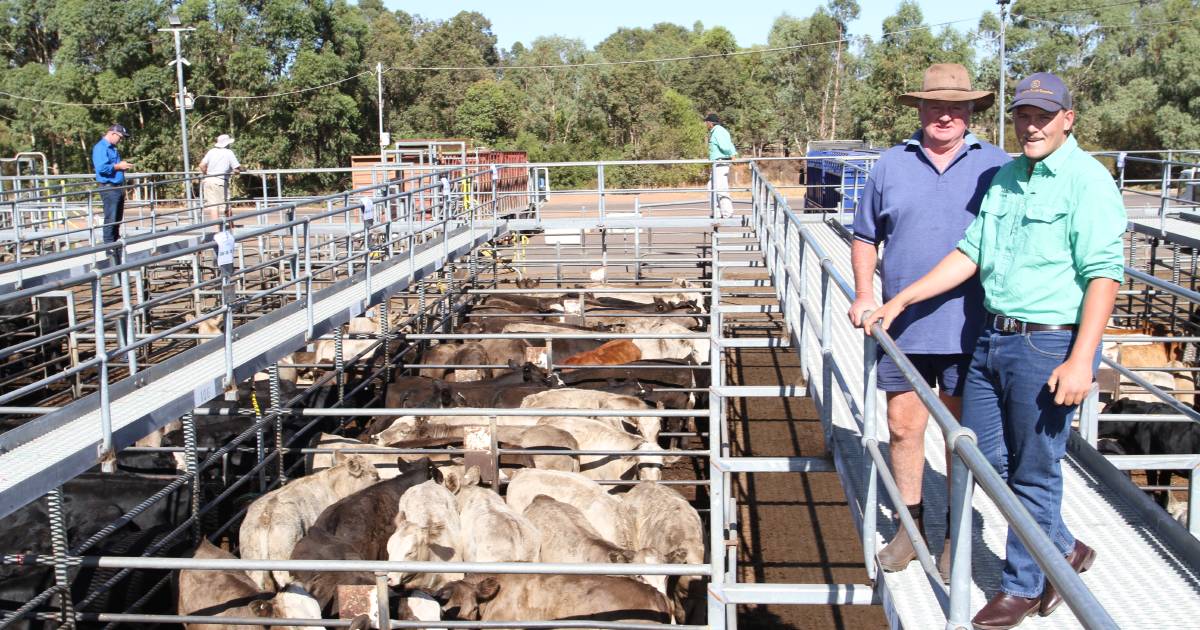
796 259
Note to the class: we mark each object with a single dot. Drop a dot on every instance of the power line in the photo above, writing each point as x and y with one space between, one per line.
1091 8
288 93
64 104
1114 26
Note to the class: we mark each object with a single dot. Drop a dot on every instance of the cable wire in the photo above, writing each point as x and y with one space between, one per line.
50 102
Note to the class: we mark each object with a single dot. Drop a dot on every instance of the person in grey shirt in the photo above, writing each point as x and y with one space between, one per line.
919 199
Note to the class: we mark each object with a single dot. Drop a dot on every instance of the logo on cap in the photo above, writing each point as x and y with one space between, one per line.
1036 84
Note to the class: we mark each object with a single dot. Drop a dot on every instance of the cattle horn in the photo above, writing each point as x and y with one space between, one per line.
361 622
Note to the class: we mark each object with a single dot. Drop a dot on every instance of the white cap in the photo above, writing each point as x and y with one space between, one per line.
223 141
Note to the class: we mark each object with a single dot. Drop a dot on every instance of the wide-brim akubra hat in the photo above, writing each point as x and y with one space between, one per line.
948 82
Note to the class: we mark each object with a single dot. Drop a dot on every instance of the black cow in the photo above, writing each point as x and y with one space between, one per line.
1149 438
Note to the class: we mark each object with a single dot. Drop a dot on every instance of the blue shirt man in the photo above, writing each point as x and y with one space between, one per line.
920 198
110 175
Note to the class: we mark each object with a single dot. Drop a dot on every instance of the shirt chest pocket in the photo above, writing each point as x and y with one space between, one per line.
1045 230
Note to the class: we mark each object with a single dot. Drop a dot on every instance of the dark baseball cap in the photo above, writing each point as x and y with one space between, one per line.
119 128
712 118
1042 90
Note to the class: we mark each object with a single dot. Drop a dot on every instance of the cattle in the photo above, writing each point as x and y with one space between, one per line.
1150 354
553 597
91 501
593 435
325 350
602 510
356 527
1149 438
571 398
695 349
427 529
615 352
560 347
567 536
388 465
276 521
492 531
230 593
669 294
666 523
413 431
545 437
651 379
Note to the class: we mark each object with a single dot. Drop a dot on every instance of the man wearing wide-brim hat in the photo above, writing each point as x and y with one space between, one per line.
218 166
919 199
1047 249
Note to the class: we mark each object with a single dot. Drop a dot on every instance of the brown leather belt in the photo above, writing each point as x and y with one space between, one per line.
1005 324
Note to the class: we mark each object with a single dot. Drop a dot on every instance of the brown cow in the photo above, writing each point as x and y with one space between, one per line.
551 597
226 593
615 352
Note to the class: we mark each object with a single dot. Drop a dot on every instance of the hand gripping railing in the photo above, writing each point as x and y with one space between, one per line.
784 239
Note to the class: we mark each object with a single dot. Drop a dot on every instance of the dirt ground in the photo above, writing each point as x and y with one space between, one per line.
794 528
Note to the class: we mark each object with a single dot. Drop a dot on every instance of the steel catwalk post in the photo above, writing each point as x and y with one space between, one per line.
716 417
962 485
870 403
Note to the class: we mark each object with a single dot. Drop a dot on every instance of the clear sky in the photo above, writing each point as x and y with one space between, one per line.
593 20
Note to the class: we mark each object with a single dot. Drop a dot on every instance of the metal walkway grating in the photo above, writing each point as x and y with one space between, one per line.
1137 576
42 454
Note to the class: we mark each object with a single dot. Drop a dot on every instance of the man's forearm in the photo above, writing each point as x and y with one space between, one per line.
863 257
1097 308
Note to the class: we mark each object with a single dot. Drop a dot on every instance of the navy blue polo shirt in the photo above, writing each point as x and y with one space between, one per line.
918 215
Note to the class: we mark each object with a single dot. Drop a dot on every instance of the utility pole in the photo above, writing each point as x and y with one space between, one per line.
181 99
379 91
1000 110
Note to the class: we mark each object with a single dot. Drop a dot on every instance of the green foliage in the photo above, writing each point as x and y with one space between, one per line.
1134 69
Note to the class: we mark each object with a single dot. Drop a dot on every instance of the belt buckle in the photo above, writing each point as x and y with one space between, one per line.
1007 324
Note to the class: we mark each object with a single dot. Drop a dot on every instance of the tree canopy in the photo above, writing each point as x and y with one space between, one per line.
294 80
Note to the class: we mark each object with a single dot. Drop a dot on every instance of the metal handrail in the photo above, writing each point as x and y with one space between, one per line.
772 214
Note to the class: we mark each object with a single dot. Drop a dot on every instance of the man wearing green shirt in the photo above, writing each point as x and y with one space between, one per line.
720 151
1047 246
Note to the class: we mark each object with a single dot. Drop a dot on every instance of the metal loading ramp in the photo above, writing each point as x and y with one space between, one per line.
42 454
1142 579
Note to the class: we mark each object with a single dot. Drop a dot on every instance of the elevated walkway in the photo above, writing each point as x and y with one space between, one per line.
40 455
1147 571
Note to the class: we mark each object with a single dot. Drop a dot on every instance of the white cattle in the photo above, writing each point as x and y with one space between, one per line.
593 435
572 398
666 523
602 509
568 537
385 463
492 531
695 349
427 529
278 519
406 429
325 350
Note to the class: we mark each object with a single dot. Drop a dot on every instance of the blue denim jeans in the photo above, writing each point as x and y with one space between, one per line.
1023 433
113 200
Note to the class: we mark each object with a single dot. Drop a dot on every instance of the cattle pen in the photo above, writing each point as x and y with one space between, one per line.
154 388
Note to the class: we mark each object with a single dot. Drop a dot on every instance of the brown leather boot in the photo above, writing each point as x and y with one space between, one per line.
944 561
896 555
1005 611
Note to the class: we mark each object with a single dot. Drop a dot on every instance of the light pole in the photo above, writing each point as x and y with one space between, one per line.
181 99
1000 110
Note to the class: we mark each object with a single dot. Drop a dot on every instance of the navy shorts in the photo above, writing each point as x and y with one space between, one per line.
947 372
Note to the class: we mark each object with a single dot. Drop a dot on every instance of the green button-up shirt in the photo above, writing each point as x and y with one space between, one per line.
720 145
1039 238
